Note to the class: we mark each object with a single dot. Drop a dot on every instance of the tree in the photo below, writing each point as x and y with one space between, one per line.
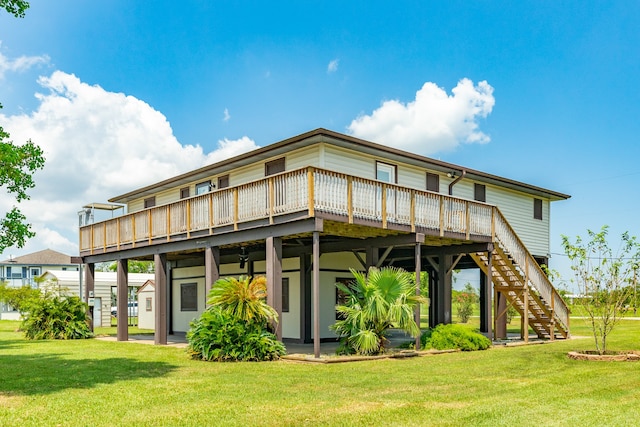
133 266
602 276
243 298
374 303
17 165
15 7
465 302
18 298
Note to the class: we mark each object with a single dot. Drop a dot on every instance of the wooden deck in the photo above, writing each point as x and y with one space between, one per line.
352 201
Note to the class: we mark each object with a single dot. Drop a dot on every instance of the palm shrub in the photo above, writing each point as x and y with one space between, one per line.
235 326
56 317
375 302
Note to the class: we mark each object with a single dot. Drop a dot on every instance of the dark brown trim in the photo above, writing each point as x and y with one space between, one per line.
321 135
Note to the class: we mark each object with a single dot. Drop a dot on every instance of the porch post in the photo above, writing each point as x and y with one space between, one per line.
444 289
316 294
274 279
305 298
372 257
89 279
418 268
433 298
160 334
485 295
211 268
123 299
501 315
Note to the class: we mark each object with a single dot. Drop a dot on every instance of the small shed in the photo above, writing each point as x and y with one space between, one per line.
146 305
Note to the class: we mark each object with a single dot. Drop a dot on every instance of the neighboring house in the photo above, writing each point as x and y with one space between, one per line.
146 304
105 282
23 270
305 210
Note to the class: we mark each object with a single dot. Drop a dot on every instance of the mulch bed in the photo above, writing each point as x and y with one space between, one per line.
614 356
343 359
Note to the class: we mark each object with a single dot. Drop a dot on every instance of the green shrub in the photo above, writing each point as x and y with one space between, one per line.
56 317
219 336
446 337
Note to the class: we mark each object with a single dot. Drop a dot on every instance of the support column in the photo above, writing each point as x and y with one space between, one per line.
89 279
524 330
418 268
501 315
123 299
211 268
305 298
316 294
485 294
274 279
485 321
444 289
433 298
372 257
160 334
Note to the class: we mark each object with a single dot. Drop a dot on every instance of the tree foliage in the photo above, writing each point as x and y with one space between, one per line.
133 266
17 165
15 7
18 298
603 276
375 302
465 302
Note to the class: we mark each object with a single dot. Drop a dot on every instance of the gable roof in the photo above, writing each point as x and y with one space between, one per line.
338 139
44 257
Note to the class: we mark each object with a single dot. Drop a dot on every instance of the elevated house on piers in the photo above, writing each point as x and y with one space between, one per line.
304 210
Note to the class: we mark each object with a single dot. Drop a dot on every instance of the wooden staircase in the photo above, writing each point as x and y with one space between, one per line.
517 275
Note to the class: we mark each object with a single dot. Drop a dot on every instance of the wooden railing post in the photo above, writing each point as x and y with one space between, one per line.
384 205
441 216
272 199
188 218
350 199
211 216
235 209
468 220
104 236
168 223
525 310
118 233
552 332
93 244
412 210
311 191
133 230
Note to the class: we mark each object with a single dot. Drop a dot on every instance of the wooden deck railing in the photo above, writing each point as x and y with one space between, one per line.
313 190
308 190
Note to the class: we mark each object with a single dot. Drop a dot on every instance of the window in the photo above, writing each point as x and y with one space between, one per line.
203 187
150 202
433 182
148 305
184 192
35 272
385 172
189 297
274 166
285 294
223 181
537 209
479 192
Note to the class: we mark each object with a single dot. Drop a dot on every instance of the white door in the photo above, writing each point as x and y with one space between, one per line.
97 312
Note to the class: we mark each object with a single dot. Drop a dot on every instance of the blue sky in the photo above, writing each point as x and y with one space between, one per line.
189 78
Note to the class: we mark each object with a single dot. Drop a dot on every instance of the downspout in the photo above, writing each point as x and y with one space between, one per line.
455 181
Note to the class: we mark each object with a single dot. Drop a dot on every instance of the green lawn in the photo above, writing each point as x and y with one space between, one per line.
99 383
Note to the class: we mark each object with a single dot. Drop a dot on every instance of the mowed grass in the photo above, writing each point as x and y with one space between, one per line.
99 383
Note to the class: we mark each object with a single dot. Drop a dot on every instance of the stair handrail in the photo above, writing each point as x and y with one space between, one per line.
509 240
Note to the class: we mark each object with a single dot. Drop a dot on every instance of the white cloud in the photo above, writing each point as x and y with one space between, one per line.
20 64
228 148
97 144
333 66
433 122
226 116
